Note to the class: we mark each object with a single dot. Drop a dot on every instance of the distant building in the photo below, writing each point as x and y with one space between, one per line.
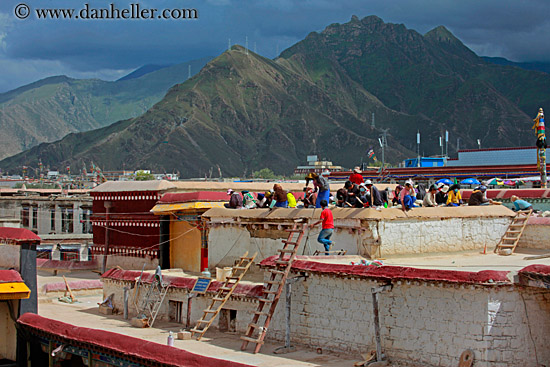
317 166
54 214
425 162
494 157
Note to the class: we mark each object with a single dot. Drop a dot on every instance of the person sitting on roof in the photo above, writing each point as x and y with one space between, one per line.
364 196
454 198
280 199
261 200
341 196
396 192
441 196
356 176
520 204
235 200
478 197
375 196
248 200
320 185
352 199
309 198
429 199
407 196
291 200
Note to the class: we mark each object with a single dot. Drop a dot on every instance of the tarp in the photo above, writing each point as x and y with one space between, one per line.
156 353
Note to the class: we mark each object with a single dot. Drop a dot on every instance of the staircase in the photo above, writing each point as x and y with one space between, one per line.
224 292
513 233
273 288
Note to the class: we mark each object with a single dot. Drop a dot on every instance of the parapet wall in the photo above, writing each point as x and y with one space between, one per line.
366 232
536 234
427 318
423 322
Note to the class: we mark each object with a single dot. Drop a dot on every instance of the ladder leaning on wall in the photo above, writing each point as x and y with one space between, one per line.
512 235
274 286
222 296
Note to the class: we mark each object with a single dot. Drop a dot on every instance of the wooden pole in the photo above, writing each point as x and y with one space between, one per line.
376 316
107 205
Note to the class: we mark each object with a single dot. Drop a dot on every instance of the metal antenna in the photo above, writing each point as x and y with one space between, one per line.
255 48
228 44
246 44
383 140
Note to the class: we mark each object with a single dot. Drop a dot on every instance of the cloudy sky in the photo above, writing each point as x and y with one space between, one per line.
32 48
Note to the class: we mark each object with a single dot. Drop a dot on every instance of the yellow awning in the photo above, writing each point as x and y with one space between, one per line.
16 290
171 208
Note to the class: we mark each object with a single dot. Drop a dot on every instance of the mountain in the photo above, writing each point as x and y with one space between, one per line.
537 66
243 112
145 69
51 108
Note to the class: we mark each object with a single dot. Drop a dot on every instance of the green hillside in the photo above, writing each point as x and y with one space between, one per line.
51 108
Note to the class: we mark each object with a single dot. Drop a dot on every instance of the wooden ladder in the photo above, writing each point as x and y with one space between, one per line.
274 286
222 296
515 230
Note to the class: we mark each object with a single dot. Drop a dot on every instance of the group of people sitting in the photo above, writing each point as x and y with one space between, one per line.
360 193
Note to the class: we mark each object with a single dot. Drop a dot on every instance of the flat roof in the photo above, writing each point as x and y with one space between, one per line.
365 213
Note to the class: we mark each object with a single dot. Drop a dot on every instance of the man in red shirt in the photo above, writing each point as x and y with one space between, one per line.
327 226
356 176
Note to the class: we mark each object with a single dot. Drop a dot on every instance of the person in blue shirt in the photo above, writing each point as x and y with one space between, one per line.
520 204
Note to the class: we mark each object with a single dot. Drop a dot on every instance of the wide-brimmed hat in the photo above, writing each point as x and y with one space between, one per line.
368 182
230 191
357 170
445 188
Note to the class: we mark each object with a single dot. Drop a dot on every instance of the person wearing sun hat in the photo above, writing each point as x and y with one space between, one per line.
441 196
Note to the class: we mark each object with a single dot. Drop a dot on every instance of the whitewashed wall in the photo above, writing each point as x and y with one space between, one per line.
429 324
369 238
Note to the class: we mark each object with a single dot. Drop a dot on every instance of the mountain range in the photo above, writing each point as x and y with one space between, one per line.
243 112
49 109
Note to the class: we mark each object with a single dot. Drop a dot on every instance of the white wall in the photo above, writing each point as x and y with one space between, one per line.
376 238
10 258
430 324
425 323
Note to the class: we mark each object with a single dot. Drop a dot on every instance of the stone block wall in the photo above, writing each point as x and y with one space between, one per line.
445 235
536 234
369 238
244 306
426 323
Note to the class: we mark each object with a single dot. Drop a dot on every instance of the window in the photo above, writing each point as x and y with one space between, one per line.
228 320
67 219
25 216
34 217
175 308
85 220
52 219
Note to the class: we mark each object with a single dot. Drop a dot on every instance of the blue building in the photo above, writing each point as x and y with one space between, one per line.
425 162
